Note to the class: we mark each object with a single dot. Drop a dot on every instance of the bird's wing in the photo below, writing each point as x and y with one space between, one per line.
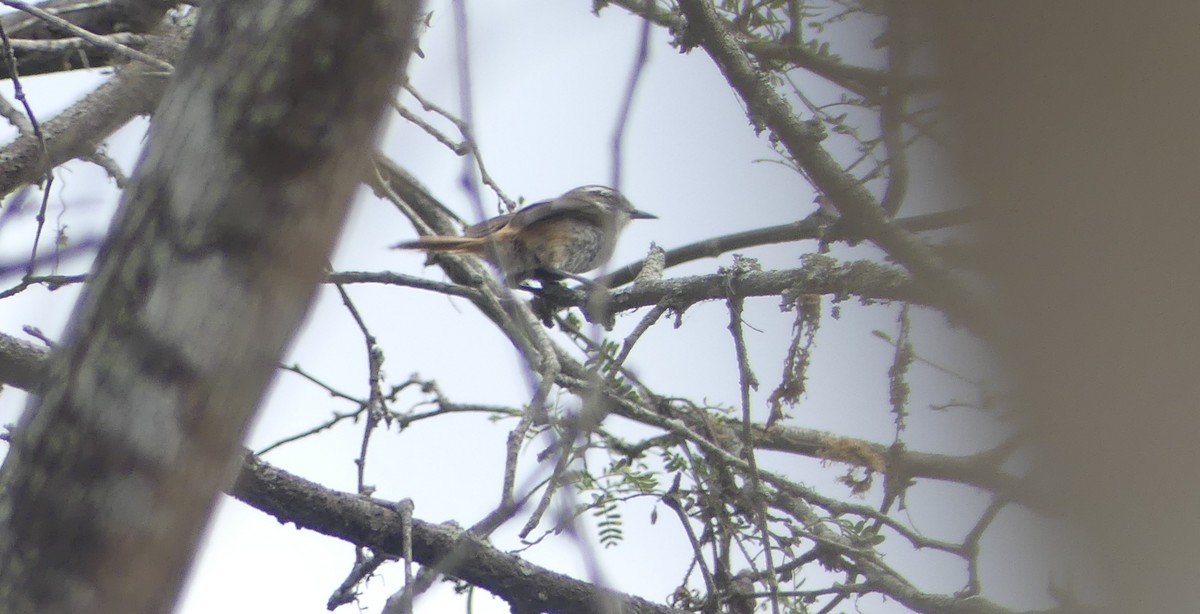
563 205
487 227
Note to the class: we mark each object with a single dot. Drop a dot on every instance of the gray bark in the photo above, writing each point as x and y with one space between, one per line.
210 266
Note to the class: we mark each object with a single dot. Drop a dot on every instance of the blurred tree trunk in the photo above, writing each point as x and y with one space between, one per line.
210 266
1082 140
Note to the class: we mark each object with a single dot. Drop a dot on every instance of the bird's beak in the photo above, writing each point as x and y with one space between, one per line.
642 215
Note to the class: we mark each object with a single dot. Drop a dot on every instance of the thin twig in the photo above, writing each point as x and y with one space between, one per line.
61 45
643 325
376 403
328 424
746 381
635 77
363 568
10 62
458 148
472 153
15 117
891 113
110 166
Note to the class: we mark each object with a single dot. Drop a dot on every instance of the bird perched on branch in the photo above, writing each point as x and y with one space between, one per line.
548 240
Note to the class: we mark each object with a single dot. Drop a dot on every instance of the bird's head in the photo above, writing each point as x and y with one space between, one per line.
609 200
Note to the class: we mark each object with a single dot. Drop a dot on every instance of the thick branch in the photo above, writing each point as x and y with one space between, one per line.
22 364
817 275
810 228
371 524
980 470
75 132
866 82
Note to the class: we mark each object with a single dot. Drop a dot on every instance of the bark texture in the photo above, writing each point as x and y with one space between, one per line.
210 266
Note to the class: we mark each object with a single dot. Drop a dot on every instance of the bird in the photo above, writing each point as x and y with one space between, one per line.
548 241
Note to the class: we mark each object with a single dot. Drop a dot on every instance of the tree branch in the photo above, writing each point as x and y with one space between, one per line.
135 90
865 82
102 17
99 41
810 228
767 108
817 274
980 470
22 364
370 523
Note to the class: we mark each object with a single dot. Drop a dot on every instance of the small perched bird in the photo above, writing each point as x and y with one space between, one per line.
548 240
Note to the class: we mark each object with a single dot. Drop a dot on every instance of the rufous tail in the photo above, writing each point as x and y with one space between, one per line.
459 245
